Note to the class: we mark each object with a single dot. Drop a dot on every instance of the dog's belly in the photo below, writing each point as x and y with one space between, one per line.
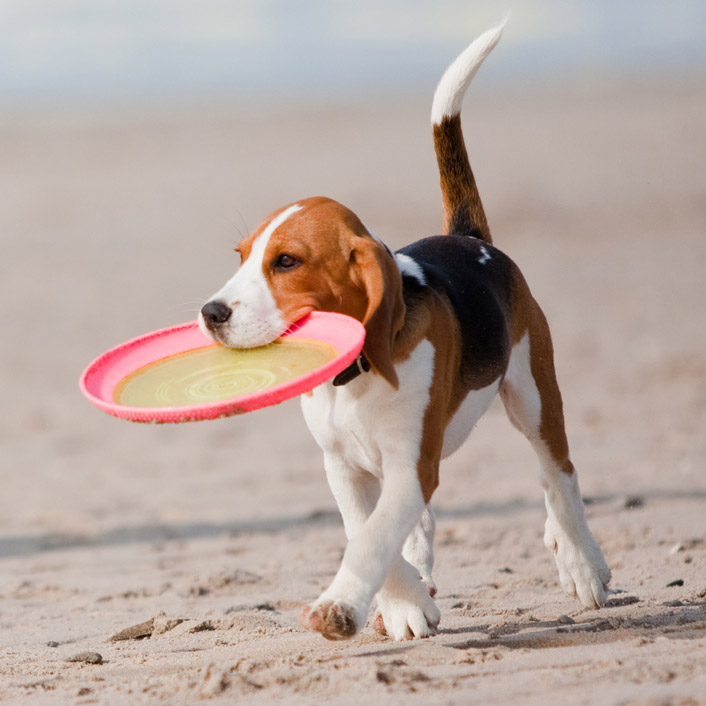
367 419
473 407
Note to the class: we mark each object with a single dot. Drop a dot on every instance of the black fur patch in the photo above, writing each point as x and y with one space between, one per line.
476 278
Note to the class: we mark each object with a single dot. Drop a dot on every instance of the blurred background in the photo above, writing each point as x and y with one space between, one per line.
141 139
63 51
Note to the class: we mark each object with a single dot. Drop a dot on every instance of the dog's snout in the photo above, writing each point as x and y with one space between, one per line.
215 313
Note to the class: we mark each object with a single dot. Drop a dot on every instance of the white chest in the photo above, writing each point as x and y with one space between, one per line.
367 420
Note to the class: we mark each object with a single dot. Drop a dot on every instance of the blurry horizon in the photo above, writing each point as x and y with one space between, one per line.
63 51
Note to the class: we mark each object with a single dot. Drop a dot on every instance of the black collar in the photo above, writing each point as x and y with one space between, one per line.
360 365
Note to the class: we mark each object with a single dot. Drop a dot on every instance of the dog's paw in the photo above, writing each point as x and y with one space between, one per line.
406 605
403 619
583 571
333 619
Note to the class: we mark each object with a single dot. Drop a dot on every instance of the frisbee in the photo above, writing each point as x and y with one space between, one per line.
178 374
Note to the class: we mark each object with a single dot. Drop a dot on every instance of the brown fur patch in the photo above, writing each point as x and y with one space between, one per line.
433 319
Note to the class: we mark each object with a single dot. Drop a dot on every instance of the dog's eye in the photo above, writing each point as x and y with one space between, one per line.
284 262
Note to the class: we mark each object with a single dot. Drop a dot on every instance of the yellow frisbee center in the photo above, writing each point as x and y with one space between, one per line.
216 373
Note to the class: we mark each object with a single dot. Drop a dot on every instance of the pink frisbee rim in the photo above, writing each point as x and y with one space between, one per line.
100 378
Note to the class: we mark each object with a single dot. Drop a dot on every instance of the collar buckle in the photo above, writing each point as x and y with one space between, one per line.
359 366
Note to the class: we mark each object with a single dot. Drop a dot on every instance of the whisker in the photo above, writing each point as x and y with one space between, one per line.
237 227
195 300
245 225
189 306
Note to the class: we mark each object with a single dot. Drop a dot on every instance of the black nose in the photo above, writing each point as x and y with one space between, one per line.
215 313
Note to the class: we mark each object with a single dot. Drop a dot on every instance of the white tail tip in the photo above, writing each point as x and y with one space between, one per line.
456 79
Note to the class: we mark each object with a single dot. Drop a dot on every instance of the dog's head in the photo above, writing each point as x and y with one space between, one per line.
312 255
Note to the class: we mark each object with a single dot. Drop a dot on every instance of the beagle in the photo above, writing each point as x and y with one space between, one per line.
450 323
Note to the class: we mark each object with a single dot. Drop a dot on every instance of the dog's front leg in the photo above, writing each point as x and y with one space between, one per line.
419 548
406 607
405 602
374 547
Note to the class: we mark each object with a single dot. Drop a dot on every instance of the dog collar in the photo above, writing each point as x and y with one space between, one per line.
359 366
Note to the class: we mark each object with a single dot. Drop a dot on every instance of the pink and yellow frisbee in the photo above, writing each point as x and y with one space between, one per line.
179 375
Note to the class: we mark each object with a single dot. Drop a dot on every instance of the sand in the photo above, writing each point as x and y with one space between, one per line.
209 537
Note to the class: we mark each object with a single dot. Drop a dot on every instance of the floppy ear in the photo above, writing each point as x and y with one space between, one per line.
385 312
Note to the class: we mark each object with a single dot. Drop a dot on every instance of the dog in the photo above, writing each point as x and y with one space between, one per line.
450 323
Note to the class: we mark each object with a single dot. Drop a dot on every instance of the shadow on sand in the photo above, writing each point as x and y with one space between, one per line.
160 532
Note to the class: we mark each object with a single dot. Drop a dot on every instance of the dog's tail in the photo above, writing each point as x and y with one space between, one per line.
463 209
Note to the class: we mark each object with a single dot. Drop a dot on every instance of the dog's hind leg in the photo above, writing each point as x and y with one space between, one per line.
533 403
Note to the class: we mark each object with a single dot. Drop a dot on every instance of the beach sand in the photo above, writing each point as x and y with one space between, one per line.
213 535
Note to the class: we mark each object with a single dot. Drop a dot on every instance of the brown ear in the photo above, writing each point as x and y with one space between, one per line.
384 316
